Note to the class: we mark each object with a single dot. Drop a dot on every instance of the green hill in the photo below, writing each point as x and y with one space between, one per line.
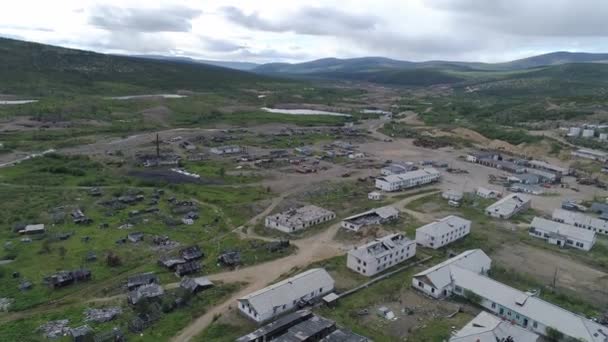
41 70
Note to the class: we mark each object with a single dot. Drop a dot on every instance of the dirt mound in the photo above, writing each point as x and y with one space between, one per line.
471 135
159 115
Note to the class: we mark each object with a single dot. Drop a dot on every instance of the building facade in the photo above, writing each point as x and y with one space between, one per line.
380 254
442 232
561 234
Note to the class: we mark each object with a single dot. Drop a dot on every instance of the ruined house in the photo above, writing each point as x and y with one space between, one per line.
65 278
191 253
230 258
194 285
145 291
135 237
138 280
187 268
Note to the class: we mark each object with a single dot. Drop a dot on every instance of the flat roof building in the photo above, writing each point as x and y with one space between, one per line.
590 154
580 221
442 232
408 180
509 206
380 254
286 295
561 234
294 220
369 218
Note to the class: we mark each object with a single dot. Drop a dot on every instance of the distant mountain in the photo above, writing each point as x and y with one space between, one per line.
37 69
244 66
334 65
554 58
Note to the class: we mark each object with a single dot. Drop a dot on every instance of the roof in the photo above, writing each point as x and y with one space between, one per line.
380 247
410 175
443 226
303 214
533 307
508 204
486 327
340 335
485 191
571 217
277 325
382 212
599 207
563 229
288 290
306 330
548 166
592 152
439 275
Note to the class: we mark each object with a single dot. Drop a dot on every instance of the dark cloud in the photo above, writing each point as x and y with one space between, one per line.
308 20
166 19
220 45
551 18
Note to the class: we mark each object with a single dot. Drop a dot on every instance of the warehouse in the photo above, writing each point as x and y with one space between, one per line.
561 234
509 206
581 221
408 180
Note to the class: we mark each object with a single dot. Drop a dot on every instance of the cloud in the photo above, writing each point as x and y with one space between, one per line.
307 20
135 43
26 28
167 19
220 45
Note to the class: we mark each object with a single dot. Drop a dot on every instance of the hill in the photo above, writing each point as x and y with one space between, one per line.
551 59
243 66
37 70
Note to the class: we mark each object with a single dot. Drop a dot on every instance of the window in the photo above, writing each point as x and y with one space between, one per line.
493 305
535 324
420 284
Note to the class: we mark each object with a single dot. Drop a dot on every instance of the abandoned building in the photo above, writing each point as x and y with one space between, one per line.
527 189
138 280
508 206
286 295
79 217
187 268
581 221
170 262
135 237
374 196
541 165
487 193
297 219
112 335
452 195
369 218
228 149
31 229
590 154
195 285
230 258
487 327
81 334
65 278
408 180
380 254
465 274
302 326
397 168
561 234
442 232
191 253
145 291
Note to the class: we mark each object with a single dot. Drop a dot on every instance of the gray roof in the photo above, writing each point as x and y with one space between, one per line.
410 175
440 275
340 335
277 325
294 217
530 306
288 290
307 329
486 327
508 204
382 213
563 229
571 217
380 247
443 226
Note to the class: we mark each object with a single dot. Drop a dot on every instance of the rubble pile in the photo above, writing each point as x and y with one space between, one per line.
55 329
102 315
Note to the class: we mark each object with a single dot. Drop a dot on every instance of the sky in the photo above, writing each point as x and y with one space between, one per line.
265 31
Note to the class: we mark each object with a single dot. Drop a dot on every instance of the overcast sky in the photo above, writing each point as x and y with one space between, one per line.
298 30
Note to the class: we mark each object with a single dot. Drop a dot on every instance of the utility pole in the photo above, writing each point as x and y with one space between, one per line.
157 147
555 278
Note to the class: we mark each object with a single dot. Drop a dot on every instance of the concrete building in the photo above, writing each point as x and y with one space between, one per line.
370 217
436 281
380 254
297 219
397 168
408 180
588 133
574 132
580 221
228 149
465 277
509 206
487 193
452 195
475 157
527 189
542 165
561 234
590 154
545 176
442 232
374 196
489 328
286 295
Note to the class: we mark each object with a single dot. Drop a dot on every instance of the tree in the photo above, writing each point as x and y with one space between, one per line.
113 260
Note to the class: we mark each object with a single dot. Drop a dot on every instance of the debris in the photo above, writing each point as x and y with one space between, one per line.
5 303
102 315
55 329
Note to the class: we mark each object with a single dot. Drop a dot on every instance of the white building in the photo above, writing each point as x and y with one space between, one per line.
436 281
463 276
452 195
407 180
374 196
370 217
487 193
603 136
284 296
588 133
380 254
397 168
229 149
561 234
542 165
590 154
297 219
509 206
580 221
574 131
489 328
442 232
33 229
